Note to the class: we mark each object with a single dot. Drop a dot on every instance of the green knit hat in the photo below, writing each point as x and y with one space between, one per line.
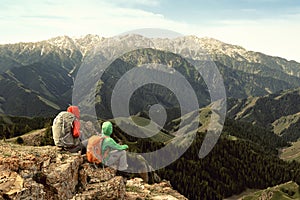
107 128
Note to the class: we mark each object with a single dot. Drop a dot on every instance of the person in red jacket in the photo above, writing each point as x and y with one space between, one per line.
76 123
66 130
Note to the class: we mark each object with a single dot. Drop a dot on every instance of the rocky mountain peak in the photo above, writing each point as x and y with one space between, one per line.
63 42
88 39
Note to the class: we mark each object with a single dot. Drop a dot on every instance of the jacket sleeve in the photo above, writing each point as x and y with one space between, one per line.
76 128
112 144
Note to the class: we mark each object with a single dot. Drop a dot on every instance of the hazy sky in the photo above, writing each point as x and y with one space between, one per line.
268 26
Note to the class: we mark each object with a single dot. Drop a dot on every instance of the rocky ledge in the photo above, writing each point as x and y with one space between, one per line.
28 172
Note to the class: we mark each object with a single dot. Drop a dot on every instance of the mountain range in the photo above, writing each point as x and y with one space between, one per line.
37 78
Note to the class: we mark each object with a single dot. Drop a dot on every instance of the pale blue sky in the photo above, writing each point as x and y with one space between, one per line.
268 26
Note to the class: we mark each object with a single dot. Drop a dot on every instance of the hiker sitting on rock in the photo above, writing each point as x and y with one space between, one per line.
66 130
116 152
110 153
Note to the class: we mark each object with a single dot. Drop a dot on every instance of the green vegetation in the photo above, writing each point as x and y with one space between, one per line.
286 191
11 126
47 139
255 134
277 112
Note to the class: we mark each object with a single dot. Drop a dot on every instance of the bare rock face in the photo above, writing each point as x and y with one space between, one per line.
38 172
111 189
13 186
30 173
99 183
62 176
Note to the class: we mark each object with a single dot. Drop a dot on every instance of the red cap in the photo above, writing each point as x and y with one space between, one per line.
74 110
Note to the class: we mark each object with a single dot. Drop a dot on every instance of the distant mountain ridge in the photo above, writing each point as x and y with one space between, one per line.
279 112
37 78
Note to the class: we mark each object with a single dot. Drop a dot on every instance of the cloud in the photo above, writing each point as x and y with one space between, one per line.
150 3
43 17
44 20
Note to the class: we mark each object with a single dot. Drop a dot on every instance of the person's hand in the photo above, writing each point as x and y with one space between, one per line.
126 146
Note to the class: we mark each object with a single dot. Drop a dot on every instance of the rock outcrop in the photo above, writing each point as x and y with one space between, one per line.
28 172
136 189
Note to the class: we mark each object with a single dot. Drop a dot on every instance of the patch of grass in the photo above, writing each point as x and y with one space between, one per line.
291 153
286 191
231 137
132 189
7 155
285 122
145 128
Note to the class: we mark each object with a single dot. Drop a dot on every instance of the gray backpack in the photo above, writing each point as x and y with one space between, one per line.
62 130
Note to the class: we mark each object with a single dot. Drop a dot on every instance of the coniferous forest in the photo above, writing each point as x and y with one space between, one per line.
12 126
232 166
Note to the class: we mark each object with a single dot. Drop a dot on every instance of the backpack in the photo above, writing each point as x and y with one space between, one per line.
94 149
62 130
